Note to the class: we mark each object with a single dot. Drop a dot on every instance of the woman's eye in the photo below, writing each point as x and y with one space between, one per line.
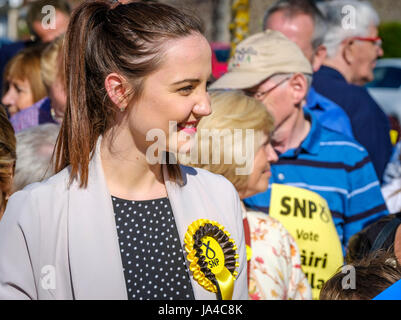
16 87
186 90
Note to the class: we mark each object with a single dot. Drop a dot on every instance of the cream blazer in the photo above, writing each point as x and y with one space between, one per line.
60 242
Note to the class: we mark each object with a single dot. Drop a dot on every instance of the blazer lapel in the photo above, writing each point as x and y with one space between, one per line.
185 209
96 266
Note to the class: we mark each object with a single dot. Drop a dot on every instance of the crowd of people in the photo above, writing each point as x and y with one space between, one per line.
83 200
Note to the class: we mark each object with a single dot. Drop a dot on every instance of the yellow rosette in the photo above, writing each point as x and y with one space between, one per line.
212 256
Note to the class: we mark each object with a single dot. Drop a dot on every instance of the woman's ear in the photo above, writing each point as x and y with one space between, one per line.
299 88
117 90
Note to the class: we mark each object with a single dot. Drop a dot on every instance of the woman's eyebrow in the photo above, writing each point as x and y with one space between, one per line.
186 80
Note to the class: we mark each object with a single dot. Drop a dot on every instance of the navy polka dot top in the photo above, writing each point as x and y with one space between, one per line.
151 253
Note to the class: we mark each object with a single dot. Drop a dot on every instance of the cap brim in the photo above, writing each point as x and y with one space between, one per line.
238 80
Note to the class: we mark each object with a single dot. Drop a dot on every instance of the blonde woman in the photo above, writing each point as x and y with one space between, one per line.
274 269
23 84
51 108
52 72
7 159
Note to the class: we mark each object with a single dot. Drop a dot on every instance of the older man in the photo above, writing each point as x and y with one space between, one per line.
353 46
302 22
271 68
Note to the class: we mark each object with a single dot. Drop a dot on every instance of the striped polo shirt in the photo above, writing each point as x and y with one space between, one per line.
338 169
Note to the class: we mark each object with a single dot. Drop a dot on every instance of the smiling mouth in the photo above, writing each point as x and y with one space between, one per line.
188 126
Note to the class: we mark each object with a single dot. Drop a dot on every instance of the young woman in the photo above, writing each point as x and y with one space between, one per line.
23 83
111 225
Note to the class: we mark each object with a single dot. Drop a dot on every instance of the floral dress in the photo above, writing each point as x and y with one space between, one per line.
275 266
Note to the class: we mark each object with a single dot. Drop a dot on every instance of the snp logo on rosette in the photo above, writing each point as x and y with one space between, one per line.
212 256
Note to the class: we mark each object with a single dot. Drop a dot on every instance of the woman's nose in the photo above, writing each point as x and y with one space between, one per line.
271 154
7 99
203 107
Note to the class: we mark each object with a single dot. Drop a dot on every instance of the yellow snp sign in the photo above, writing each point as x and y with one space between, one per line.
307 217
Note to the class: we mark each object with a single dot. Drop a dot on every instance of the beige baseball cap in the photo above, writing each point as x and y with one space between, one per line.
259 57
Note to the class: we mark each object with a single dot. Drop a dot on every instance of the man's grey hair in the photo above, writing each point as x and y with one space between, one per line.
34 152
291 8
347 19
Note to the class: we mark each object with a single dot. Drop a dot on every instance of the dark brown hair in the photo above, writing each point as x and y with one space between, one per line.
7 157
373 275
101 39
